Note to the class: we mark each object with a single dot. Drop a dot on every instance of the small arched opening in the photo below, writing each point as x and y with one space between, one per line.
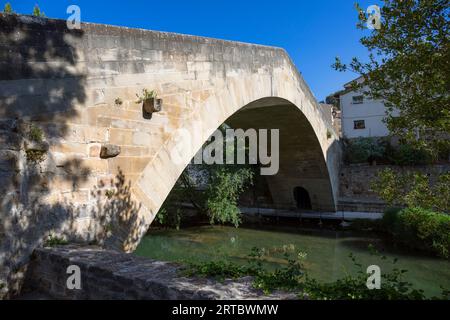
302 198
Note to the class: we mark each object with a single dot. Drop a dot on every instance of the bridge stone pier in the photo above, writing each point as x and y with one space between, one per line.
78 88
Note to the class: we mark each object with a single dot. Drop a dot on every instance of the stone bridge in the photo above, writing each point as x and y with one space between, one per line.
66 93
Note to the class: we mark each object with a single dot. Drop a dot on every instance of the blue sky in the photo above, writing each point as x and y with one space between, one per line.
313 32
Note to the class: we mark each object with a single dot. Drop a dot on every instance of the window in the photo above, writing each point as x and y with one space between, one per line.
358 99
359 124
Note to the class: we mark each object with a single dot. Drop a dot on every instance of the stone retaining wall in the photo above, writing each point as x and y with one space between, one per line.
355 184
117 276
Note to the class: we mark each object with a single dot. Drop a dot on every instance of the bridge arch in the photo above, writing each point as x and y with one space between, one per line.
305 147
73 95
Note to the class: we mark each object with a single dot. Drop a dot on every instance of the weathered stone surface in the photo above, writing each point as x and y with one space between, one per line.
109 151
10 140
9 161
36 146
114 275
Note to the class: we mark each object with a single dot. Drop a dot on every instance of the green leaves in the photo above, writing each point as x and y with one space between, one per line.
35 134
145 95
363 150
413 189
226 185
8 9
218 201
354 287
425 229
37 12
292 277
408 68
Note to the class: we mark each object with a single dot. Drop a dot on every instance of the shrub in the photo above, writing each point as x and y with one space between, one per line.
288 277
223 193
8 8
145 95
363 150
53 240
354 288
37 12
169 216
293 278
442 192
407 155
424 229
35 156
413 189
218 201
36 134
390 219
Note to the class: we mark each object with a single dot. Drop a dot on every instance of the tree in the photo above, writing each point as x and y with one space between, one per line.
409 68
413 189
8 8
37 12
218 202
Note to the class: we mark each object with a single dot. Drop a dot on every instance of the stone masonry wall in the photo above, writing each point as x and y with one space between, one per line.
113 275
355 180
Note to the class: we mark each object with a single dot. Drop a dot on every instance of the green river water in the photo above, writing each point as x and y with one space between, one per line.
327 251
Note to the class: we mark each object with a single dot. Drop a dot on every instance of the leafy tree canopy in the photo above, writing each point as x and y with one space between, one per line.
409 68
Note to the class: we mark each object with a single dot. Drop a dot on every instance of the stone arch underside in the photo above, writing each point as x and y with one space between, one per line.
252 101
301 158
200 80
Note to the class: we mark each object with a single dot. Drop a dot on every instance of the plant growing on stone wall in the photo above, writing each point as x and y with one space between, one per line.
35 156
53 240
362 150
118 102
36 134
37 12
8 9
110 193
150 102
146 95
329 134
36 150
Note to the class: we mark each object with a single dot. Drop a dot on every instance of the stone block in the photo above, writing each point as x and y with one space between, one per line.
9 160
141 138
121 137
94 150
96 166
109 151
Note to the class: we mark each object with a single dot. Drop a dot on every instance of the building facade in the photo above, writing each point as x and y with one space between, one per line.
361 116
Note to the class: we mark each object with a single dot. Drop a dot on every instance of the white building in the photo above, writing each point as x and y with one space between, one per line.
361 116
